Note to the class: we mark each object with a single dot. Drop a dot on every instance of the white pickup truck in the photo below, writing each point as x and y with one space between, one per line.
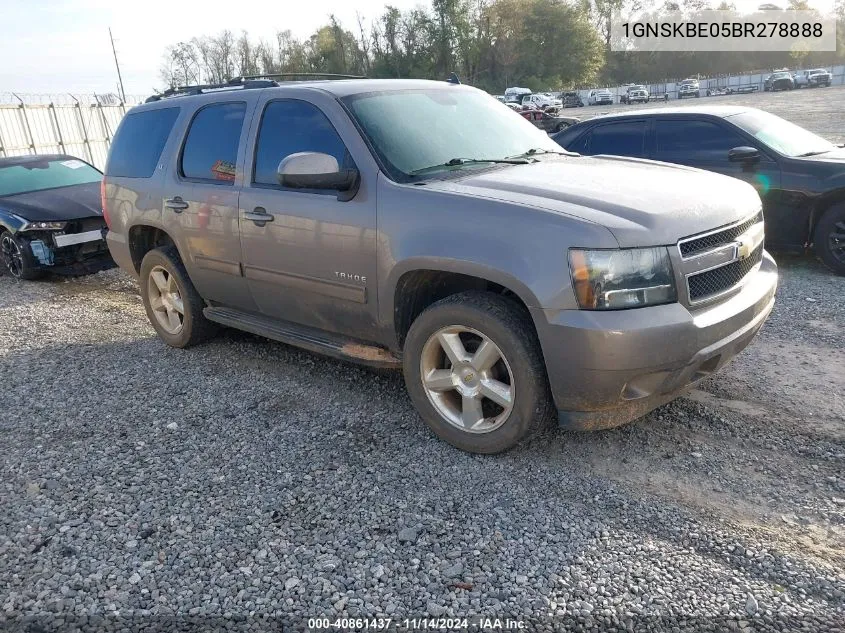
541 101
602 96
812 78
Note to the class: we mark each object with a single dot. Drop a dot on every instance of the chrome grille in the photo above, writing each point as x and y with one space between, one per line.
695 245
718 280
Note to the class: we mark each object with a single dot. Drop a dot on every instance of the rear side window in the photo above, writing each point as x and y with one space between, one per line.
625 138
139 141
292 126
211 147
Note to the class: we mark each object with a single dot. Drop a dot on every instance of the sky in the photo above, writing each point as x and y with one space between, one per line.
60 46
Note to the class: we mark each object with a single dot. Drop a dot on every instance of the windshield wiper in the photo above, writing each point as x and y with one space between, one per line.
457 162
815 153
537 150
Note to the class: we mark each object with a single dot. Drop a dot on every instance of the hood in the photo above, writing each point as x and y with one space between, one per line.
642 202
63 203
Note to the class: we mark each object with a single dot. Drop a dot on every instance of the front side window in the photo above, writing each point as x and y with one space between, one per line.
291 126
625 138
415 133
211 147
701 140
38 175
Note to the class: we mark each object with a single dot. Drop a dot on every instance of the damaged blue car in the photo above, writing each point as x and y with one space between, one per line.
51 217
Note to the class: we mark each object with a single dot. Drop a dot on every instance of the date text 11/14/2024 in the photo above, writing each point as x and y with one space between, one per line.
415 624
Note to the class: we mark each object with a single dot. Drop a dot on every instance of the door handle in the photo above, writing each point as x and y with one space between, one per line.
259 215
177 204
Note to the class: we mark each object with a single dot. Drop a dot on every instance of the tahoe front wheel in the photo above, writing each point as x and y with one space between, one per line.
474 370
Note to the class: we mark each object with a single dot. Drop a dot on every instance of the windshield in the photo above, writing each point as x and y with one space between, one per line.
414 130
637 87
818 71
781 135
780 76
47 174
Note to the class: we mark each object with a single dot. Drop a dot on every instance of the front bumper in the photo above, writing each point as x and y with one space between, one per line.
608 368
69 253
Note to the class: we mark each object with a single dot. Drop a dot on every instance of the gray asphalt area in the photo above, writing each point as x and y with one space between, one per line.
245 484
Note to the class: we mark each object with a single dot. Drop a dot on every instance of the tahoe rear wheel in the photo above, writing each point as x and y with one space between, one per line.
829 238
475 372
173 305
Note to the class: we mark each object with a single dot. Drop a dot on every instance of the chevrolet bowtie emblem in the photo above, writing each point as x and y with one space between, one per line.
746 246
749 241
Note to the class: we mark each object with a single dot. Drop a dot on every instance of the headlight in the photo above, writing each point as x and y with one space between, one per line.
43 226
626 278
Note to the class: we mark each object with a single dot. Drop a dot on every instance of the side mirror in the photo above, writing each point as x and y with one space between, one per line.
315 170
744 154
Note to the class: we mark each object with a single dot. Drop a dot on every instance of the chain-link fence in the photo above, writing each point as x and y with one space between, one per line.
79 125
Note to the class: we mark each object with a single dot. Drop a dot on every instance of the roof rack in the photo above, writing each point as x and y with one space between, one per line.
245 82
301 76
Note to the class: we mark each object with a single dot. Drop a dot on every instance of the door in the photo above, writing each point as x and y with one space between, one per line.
309 257
705 144
201 202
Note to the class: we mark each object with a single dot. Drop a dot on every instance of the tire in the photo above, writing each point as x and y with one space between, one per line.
476 318
829 248
17 258
164 264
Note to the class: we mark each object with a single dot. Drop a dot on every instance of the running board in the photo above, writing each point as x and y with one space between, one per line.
305 337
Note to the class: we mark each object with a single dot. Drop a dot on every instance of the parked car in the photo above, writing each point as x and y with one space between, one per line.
51 217
815 78
800 176
572 99
602 96
635 94
381 221
778 81
541 101
689 88
515 94
547 121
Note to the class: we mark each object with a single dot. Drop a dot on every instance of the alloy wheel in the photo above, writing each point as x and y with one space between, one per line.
166 300
836 241
12 257
467 379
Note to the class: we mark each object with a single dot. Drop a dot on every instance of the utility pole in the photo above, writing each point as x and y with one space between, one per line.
119 78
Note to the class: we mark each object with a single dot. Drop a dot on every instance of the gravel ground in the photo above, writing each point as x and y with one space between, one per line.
246 484
816 109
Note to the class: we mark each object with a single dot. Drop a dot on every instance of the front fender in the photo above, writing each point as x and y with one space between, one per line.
521 248
11 222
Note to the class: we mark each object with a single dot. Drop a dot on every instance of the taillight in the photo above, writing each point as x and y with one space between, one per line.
103 202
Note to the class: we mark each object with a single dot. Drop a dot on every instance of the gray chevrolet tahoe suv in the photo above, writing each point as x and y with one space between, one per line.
425 225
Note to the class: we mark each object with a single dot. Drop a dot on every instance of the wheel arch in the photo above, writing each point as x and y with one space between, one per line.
825 202
418 283
142 238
